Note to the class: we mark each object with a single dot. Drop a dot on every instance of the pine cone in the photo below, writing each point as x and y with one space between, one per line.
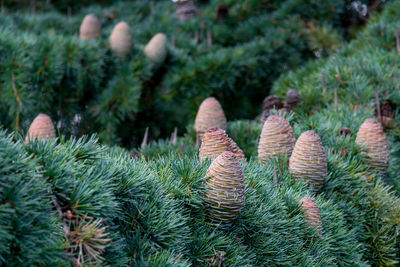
90 27
215 141
222 11
272 102
308 160
41 128
156 50
210 114
311 211
276 138
225 189
371 136
292 99
121 39
185 9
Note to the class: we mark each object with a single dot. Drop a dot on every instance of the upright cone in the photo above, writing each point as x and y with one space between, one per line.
215 141
225 189
308 160
276 138
210 114
121 39
41 128
156 50
185 9
90 27
371 136
292 99
311 211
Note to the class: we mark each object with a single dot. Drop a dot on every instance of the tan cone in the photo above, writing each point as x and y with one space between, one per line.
308 160
156 50
215 141
90 27
121 39
276 138
371 136
41 128
225 189
292 99
210 114
312 214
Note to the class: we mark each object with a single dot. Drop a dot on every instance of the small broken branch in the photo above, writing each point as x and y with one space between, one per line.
18 100
275 177
378 105
209 38
61 215
335 97
174 136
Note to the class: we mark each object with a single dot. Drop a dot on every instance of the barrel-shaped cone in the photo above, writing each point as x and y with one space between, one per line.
308 160
371 136
276 138
210 114
121 39
41 128
311 211
225 189
156 50
90 27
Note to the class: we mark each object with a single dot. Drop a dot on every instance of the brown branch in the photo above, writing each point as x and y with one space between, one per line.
61 215
378 105
397 40
335 97
18 99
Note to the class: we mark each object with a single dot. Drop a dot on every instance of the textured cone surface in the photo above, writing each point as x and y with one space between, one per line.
185 9
276 138
156 50
292 99
371 136
308 160
215 141
121 39
225 189
90 27
311 211
271 102
210 114
41 128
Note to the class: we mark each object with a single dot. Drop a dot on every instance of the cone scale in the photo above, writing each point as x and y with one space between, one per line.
308 160
225 189
371 136
276 138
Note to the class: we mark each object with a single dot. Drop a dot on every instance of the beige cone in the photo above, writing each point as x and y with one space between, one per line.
371 136
308 160
121 39
311 211
225 189
210 114
41 128
215 141
90 27
156 50
276 138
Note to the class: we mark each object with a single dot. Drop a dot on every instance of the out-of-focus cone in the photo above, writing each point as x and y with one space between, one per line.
215 141
308 160
292 99
90 27
270 102
222 11
371 136
41 128
210 114
225 189
276 138
185 9
121 39
156 50
311 211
